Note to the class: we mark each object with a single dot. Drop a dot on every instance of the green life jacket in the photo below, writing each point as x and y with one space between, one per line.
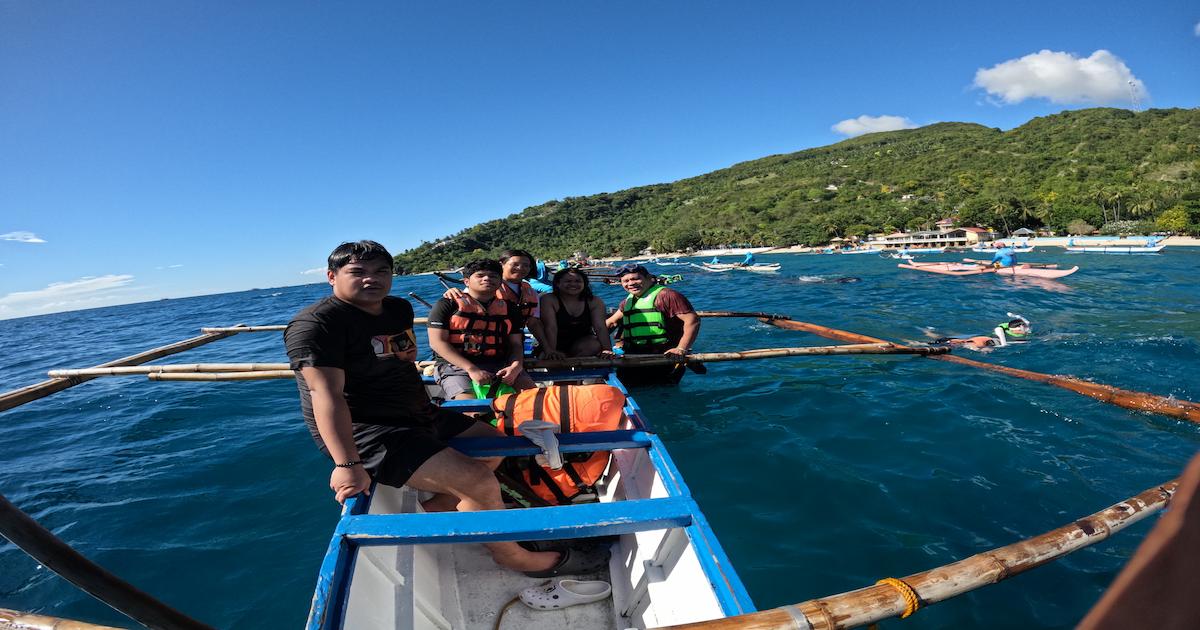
1010 333
491 390
643 324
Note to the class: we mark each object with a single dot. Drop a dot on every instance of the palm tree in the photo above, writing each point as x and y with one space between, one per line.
1115 197
1001 208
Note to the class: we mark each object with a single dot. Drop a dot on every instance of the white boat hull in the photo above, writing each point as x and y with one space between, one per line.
1117 249
666 567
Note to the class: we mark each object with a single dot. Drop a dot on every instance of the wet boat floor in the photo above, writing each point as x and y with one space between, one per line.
484 588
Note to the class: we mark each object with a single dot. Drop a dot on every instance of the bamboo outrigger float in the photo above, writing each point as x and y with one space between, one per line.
671 510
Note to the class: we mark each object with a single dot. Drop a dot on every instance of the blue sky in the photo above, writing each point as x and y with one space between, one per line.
165 149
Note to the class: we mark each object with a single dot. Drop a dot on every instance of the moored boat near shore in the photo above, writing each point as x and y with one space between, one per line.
759 267
1115 249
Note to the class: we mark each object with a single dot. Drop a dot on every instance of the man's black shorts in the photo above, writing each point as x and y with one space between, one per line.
392 454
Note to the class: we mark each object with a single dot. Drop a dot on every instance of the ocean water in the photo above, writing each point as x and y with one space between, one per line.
819 475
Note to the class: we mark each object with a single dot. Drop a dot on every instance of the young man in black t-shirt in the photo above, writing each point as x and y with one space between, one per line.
366 406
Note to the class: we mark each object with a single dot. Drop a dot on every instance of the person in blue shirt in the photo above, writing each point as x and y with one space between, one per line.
748 260
1004 257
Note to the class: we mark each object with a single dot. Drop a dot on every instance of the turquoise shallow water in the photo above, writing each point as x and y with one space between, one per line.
819 475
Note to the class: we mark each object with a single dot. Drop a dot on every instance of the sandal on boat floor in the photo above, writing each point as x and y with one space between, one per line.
574 562
562 593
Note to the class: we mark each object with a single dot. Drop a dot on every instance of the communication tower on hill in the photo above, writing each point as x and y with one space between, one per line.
1133 97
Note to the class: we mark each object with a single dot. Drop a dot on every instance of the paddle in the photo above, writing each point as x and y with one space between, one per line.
54 554
821 331
418 298
1026 264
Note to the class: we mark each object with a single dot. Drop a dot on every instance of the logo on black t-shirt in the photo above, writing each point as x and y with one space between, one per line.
389 346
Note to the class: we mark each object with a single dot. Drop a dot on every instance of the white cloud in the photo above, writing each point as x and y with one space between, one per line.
309 272
170 267
88 292
1197 29
1062 78
21 237
870 124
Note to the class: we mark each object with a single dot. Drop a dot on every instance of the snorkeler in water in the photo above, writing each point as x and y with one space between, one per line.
1016 330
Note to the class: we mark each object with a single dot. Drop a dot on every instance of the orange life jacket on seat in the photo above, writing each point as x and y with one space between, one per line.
526 301
480 332
575 408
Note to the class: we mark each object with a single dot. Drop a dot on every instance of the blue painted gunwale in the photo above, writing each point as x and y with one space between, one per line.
356 528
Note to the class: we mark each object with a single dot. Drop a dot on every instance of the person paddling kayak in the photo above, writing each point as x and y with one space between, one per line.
1005 256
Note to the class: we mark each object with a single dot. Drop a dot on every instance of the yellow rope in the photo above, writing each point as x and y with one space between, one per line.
911 602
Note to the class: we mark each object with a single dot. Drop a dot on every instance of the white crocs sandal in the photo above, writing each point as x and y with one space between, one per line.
562 593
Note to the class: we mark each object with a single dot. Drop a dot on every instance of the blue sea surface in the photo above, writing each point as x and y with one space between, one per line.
818 474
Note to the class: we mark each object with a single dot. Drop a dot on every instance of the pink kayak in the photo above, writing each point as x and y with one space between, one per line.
974 269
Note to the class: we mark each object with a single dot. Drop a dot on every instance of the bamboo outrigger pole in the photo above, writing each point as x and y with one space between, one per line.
45 388
894 598
425 320
14 620
259 375
1138 401
266 371
638 360
272 327
201 371
1128 399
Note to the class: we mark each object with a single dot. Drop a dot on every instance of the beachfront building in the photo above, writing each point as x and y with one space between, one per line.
1023 233
947 236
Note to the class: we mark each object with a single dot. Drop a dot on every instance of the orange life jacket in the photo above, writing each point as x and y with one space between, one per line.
480 332
575 408
526 301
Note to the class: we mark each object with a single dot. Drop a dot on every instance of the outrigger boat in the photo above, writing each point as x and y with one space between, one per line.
916 250
1116 249
991 250
758 267
390 565
974 268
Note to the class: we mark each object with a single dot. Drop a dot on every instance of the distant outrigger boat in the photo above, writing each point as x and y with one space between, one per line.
919 250
391 566
982 249
759 267
1116 249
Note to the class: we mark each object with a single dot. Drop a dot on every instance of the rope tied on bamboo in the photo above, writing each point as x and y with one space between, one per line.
912 603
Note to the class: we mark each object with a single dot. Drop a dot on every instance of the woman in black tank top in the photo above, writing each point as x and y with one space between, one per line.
573 318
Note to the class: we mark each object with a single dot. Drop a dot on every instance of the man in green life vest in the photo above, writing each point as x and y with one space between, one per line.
654 320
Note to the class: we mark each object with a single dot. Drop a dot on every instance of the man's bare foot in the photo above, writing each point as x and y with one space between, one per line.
532 561
441 503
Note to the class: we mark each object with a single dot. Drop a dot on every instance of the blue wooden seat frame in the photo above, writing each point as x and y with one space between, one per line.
678 510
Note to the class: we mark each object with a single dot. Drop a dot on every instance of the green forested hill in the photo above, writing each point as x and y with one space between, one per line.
1095 166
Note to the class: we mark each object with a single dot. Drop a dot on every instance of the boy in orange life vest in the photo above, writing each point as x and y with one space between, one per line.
364 403
477 336
516 265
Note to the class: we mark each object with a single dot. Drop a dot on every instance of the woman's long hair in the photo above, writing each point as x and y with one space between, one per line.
584 295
